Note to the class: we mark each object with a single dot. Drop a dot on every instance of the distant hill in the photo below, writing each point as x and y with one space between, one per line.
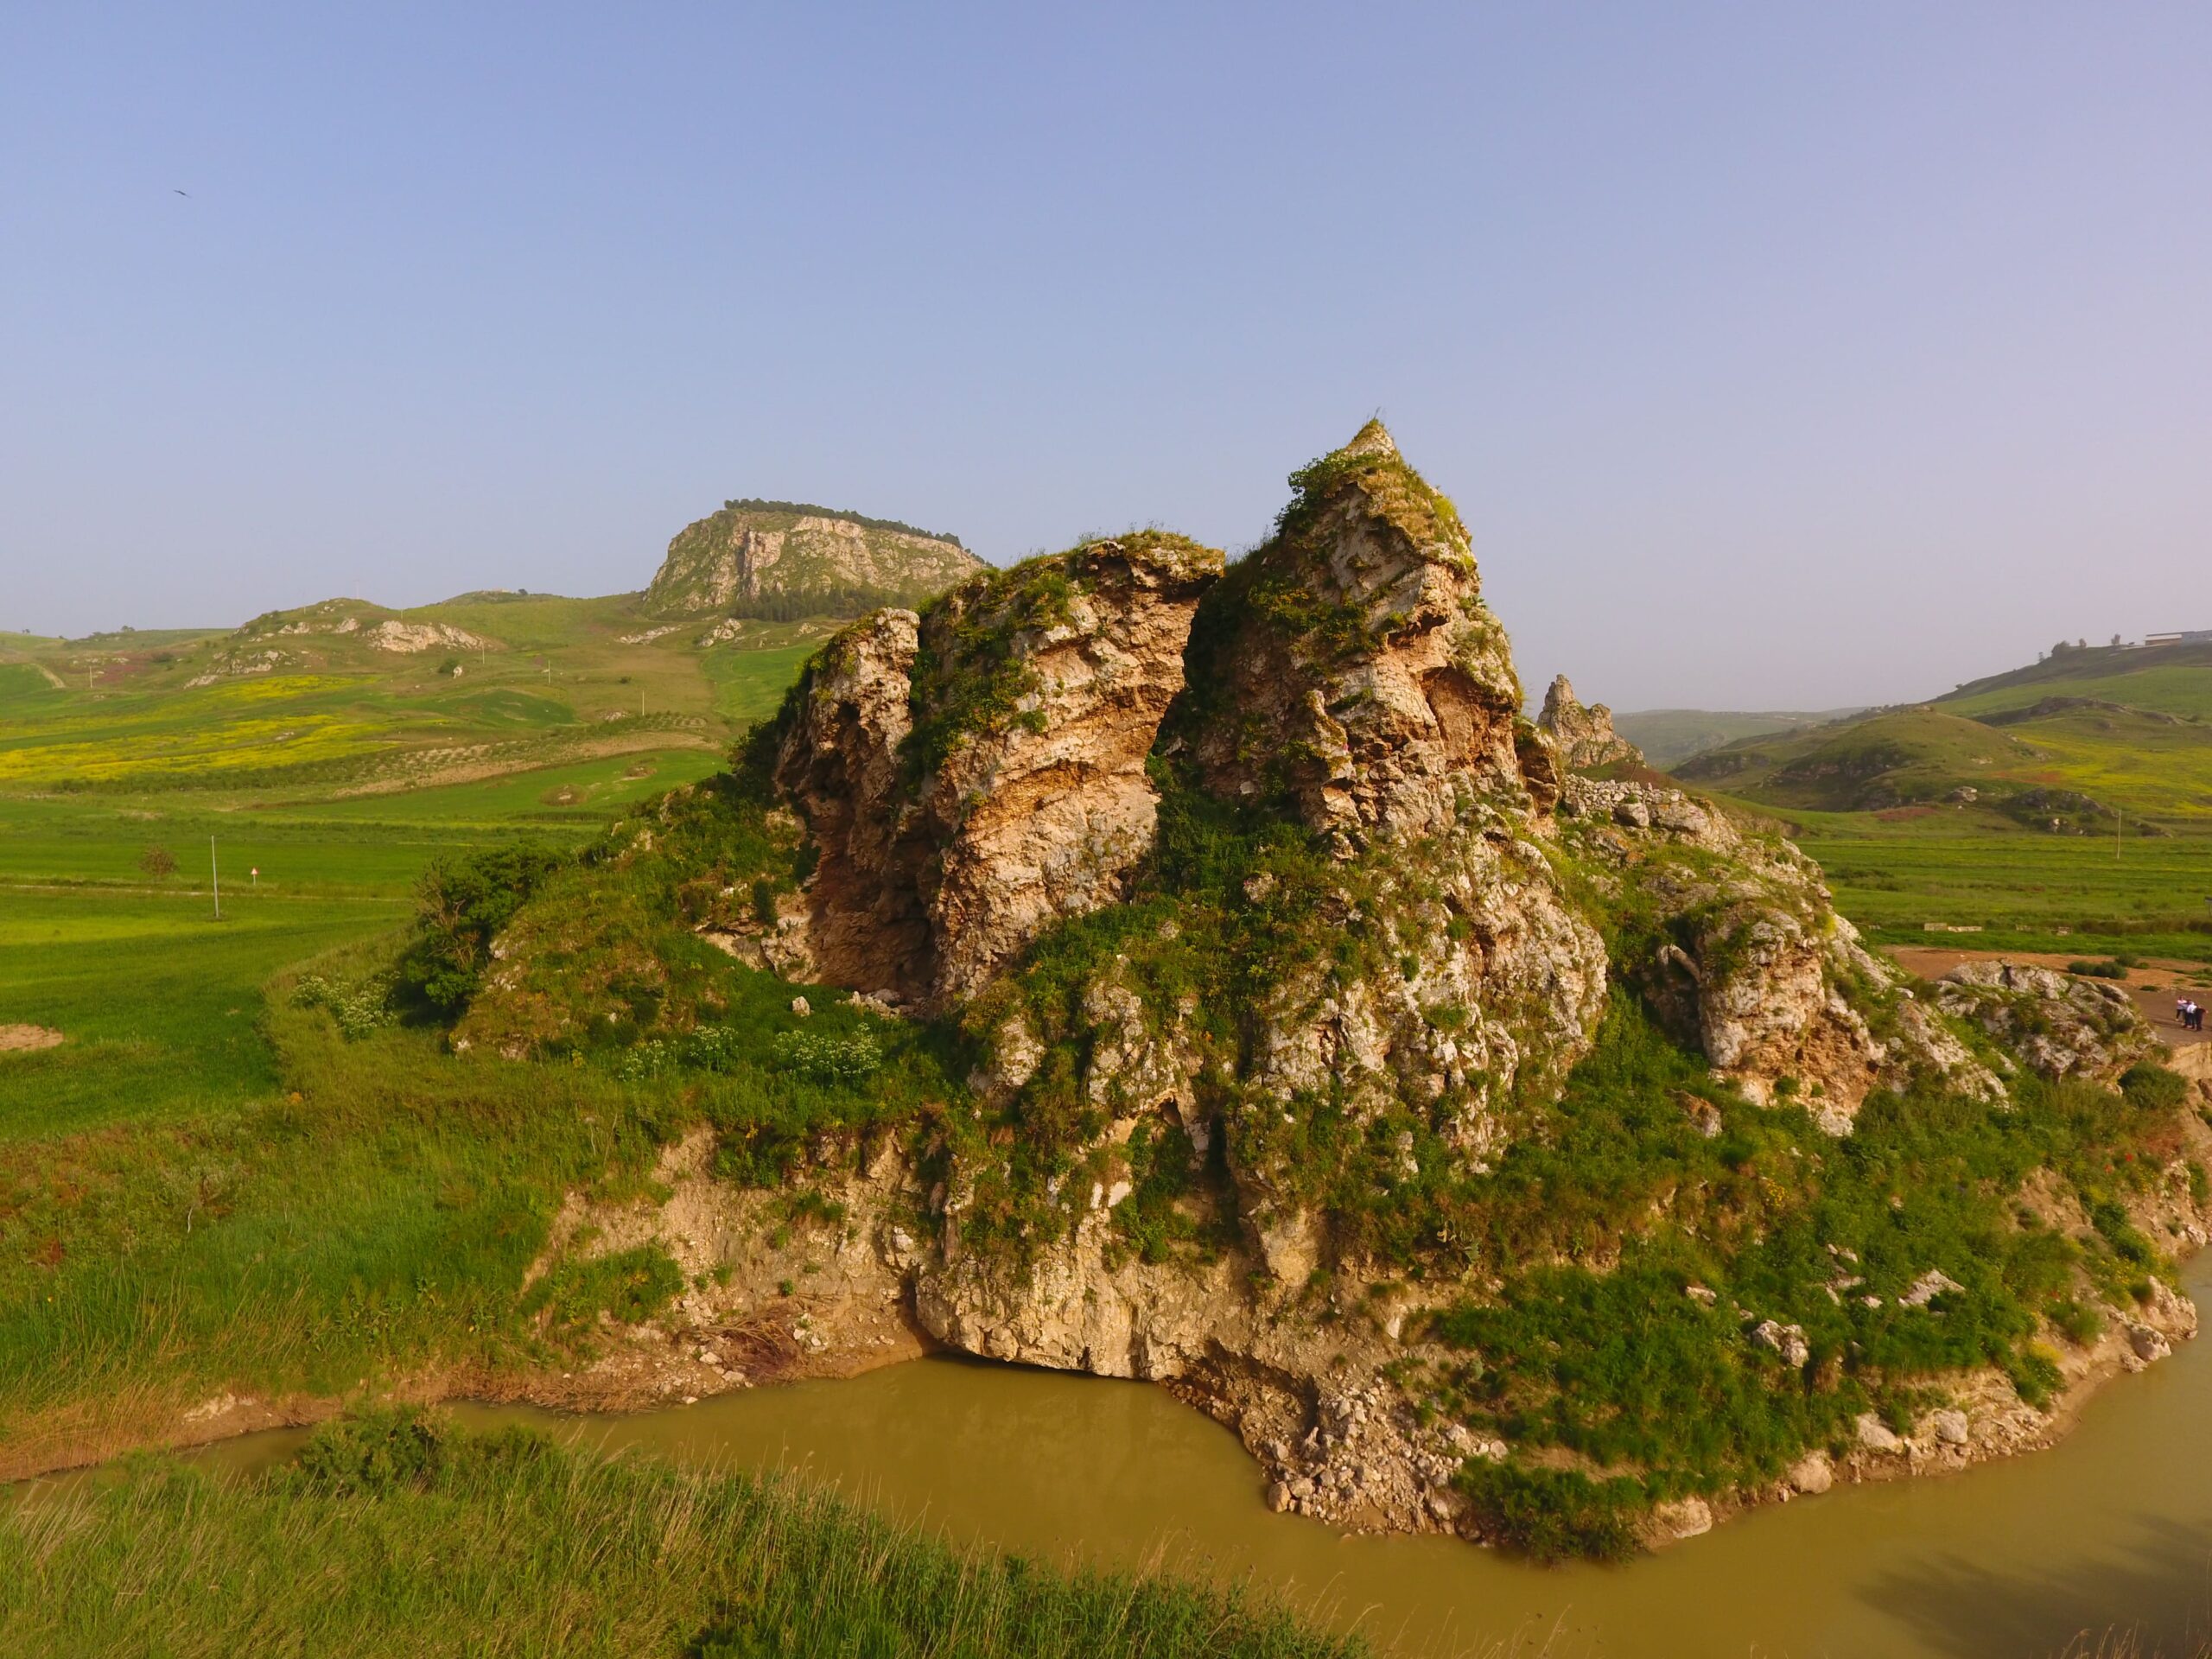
1668 736
779 560
2166 679
347 696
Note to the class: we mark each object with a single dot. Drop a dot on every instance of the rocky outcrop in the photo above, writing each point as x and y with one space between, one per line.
1744 955
972 776
1322 928
414 637
787 559
1583 731
2062 1025
840 765
1351 665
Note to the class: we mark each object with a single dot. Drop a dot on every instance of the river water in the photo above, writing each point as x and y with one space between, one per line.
2114 1527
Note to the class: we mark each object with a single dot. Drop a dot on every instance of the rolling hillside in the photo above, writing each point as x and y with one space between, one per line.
2165 679
1668 736
349 697
2083 742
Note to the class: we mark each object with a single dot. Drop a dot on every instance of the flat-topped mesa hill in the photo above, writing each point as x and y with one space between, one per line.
1244 994
786 559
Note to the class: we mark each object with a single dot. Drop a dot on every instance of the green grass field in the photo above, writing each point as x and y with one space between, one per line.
204 1187
2026 892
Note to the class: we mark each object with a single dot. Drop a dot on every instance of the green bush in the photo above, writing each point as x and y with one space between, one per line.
460 904
1554 1514
371 1455
357 1010
826 1059
2152 1088
628 1286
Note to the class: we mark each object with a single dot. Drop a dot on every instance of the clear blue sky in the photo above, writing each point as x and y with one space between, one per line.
1778 355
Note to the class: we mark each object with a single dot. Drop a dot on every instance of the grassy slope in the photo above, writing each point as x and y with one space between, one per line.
1866 799
558 678
394 1535
2172 679
1669 735
202 1184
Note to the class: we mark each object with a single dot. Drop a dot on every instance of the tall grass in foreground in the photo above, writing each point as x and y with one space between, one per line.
396 1532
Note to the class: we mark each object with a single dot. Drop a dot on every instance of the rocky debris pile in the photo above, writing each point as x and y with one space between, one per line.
237 664
2062 1025
972 776
788 559
1583 733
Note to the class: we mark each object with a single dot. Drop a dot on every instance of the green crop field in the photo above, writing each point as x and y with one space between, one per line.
2152 897
202 1187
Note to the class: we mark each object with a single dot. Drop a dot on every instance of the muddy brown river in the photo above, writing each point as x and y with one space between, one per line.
2113 1528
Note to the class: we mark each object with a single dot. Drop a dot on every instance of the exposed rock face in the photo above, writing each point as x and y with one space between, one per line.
975 775
2062 1025
1042 816
840 766
392 634
1583 731
755 557
1758 968
1354 666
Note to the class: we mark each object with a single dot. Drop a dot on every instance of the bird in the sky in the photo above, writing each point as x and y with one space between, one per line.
187 194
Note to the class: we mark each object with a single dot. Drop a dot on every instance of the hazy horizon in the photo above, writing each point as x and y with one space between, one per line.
1776 361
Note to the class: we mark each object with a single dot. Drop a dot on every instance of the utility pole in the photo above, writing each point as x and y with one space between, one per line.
215 878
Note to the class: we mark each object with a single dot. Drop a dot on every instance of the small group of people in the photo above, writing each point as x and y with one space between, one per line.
2191 1014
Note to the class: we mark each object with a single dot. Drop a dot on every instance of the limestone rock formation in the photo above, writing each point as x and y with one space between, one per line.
786 559
1583 731
1757 968
1266 937
975 775
2062 1025
1354 668
392 634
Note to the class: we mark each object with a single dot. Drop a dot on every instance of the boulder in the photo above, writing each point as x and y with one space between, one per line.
1680 1518
1812 1474
1875 1436
1949 1428
1785 1340
1931 1284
